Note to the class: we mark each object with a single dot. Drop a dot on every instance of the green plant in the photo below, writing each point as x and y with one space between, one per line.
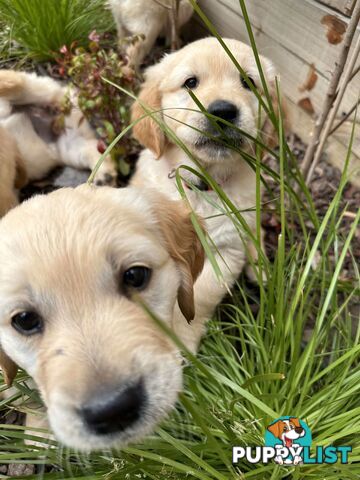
42 27
105 106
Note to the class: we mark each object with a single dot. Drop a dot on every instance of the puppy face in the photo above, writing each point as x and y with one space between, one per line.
71 263
206 69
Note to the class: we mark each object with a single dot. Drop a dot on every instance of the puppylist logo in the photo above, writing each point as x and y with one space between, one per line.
287 442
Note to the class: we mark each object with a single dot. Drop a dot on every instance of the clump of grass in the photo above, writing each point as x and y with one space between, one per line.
42 27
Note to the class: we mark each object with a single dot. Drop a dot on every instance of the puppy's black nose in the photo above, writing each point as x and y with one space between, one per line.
223 109
114 412
299 430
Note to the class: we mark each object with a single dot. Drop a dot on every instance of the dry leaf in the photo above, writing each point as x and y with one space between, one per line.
335 28
306 104
310 81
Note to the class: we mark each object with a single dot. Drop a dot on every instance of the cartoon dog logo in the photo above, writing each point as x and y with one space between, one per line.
288 431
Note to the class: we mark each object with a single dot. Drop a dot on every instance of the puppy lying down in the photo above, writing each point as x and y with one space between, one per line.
28 109
71 263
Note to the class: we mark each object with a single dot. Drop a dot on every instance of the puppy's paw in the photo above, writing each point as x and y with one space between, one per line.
252 274
107 179
107 174
11 83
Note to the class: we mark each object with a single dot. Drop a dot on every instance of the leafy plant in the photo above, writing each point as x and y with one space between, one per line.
42 27
104 105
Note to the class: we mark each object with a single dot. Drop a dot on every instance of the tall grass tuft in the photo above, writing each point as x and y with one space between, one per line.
42 27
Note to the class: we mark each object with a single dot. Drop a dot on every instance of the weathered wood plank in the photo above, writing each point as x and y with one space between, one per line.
344 6
304 28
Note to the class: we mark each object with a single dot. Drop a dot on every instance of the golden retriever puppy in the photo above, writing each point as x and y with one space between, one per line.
204 68
150 18
28 105
12 172
73 265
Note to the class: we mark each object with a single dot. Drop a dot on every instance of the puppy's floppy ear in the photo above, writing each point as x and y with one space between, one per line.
147 131
8 367
276 429
185 248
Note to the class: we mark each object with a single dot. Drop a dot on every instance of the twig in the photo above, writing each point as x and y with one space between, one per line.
355 72
174 21
332 90
344 81
175 24
345 117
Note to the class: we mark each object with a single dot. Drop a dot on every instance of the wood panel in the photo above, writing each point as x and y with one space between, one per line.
343 6
296 26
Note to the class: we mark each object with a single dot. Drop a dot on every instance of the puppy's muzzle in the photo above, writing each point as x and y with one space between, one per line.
114 411
218 135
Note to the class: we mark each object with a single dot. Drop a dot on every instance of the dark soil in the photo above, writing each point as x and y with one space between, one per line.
323 187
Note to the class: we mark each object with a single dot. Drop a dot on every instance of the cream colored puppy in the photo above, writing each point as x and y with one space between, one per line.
71 264
150 18
27 102
204 68
12 172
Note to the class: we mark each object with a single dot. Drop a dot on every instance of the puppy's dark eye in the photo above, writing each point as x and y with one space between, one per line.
27 323
191 83
137 277
246 85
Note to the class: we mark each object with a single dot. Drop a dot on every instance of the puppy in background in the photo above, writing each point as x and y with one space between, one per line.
72 264
12 172
29 105
204 68
151 18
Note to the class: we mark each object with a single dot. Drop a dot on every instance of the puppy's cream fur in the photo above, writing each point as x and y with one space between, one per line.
150 18
12 172
21 94
218 79
63 256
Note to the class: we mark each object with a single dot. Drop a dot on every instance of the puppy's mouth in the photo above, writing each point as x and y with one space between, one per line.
229 140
